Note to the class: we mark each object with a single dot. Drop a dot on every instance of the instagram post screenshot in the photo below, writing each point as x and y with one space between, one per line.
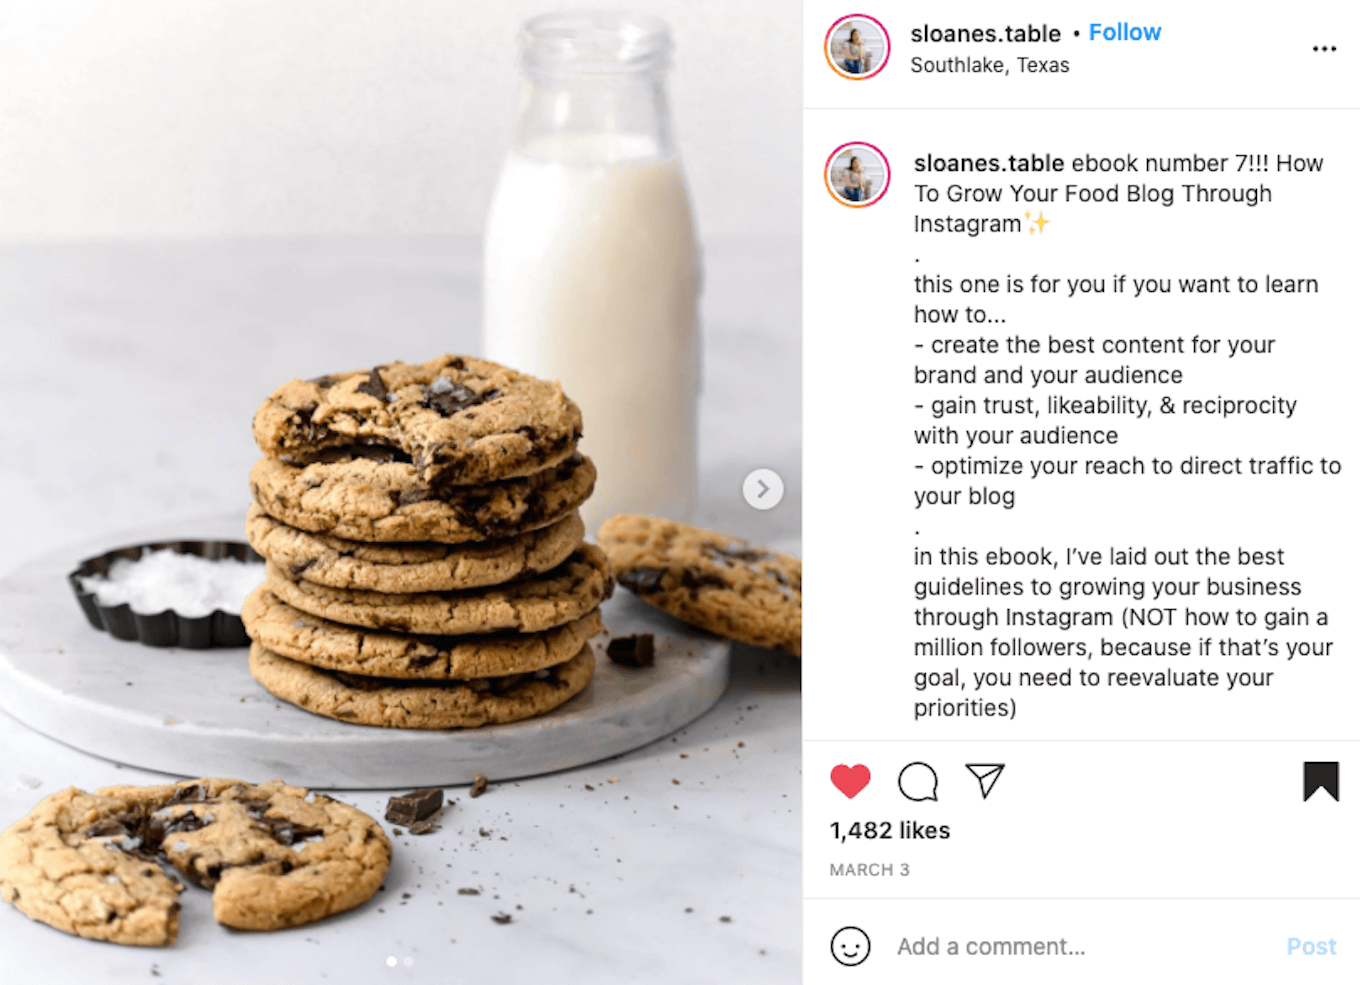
419 414
1080 647
400 564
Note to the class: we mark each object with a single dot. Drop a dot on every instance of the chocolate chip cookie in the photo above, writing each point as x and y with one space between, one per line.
530 605
707 579
294 634
455 419
396 703
275 856
414 567
379 499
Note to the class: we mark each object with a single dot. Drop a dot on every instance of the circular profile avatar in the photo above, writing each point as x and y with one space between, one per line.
857 47
857 174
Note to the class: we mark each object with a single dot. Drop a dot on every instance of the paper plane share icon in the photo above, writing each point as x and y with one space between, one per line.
987 774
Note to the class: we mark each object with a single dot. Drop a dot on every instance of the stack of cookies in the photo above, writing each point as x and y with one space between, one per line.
426 564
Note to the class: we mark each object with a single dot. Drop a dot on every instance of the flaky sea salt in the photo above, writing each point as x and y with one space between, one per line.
191 585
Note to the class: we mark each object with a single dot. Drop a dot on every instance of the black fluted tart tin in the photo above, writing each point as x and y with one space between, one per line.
168 628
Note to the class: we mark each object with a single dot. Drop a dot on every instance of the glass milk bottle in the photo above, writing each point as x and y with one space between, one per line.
592 268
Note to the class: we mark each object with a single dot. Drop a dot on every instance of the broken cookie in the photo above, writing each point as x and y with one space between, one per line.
274 856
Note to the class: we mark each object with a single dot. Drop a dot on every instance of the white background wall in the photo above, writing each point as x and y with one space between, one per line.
149 119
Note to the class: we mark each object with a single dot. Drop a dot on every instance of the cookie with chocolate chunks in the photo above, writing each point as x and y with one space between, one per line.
273 855
422 704
309 639
456 419
530 605
366 495
719 583
411 567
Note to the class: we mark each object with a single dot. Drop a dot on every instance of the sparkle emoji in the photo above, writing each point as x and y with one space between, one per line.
1038 223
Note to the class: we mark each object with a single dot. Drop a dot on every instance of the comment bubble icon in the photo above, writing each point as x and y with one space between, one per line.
919 781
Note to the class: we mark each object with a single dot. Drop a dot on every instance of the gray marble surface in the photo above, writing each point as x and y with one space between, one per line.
132 373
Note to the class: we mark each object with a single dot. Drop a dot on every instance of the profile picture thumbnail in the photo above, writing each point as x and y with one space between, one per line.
857 47
857 174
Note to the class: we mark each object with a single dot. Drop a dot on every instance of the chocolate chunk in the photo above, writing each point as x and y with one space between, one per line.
195 794
691 579
109 827
287 832
737 551
424 827
325 382
451 399
643 581
158 828
478 786
633 651
373 386
311 431
301 566
415 806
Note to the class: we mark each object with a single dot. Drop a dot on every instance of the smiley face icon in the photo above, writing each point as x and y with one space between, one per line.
850 946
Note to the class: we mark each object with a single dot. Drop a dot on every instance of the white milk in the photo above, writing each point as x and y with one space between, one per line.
592 278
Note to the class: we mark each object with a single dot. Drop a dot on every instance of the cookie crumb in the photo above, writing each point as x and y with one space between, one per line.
469 891
478 786
633 651
589 787
724 919
502 918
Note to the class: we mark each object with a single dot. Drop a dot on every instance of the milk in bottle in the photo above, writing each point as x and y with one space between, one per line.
592 269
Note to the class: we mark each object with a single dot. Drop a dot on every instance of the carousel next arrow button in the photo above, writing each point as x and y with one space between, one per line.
763 489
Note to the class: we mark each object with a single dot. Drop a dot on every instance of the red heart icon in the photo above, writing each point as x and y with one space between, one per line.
850 780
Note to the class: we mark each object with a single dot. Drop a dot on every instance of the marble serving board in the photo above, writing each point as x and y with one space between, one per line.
199 712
